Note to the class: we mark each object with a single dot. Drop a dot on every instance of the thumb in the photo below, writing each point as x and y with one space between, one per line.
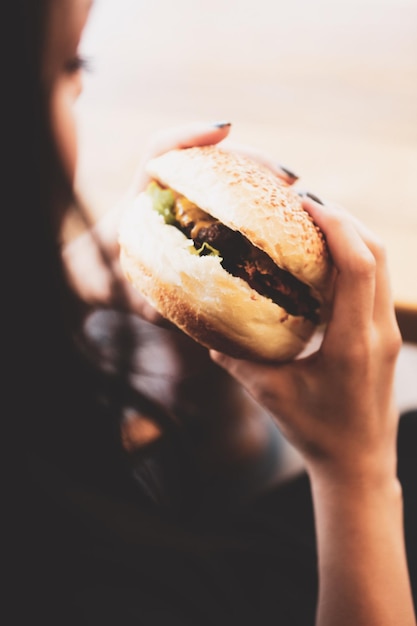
270 384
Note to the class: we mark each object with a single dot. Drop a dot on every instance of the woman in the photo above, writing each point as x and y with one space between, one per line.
122 511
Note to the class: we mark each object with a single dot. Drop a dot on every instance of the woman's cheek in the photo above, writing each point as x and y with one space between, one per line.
64 97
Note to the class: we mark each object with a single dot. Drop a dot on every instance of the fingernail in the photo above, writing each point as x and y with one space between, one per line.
288 172
311 196
222 124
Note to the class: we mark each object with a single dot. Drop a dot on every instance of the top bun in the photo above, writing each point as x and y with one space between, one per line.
248 197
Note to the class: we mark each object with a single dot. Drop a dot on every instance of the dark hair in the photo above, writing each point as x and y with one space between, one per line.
66 407
77 483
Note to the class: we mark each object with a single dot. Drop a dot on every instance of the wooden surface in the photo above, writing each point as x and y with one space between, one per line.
327 88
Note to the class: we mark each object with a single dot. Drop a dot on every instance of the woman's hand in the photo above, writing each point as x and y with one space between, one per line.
337 405
168 365
92 278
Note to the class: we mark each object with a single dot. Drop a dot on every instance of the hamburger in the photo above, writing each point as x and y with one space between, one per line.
224 250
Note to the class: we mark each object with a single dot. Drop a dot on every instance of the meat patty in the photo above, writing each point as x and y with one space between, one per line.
241 258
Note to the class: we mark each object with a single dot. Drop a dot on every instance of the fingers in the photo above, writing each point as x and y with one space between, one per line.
384 311
201 134
362 294
282 172
193 134
186 136
353 302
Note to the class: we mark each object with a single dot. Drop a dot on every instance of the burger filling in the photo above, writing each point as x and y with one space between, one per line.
239 256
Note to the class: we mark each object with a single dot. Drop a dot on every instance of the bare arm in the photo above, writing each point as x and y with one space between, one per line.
337 407
362 564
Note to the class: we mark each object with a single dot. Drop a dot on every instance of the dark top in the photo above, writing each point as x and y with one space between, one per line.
102 560
92 558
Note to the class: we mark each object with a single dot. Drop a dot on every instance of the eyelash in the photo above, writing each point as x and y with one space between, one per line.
72 66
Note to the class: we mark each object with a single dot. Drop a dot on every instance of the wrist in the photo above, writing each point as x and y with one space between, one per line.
369 468
360 486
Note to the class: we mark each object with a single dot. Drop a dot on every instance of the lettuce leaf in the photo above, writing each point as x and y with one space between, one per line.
163 201
207 249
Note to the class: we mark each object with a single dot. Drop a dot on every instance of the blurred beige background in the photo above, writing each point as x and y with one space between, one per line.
327 88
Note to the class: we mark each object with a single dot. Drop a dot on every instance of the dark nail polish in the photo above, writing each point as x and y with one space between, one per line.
222 124
311 196
288 172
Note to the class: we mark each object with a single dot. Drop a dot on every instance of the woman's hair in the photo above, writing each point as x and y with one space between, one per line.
70 408
74 489
67 405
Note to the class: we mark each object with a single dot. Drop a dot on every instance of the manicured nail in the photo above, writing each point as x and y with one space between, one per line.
222 124
311 196
288 172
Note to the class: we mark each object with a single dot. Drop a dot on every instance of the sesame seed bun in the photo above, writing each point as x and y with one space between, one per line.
194 292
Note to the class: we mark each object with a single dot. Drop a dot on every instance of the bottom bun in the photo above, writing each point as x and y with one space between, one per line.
216 309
